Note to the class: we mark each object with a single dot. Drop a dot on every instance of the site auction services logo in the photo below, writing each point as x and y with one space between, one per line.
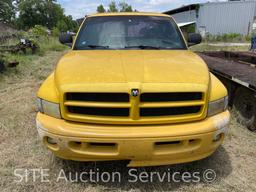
96 176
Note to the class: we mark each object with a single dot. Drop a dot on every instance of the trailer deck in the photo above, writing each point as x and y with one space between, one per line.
234 66
237 72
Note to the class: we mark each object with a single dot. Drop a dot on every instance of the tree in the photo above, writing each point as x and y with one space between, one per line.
71 24
101 9
39 30
62 26
47 13
39 12
124 7
7 11
112 7
67 24
55 32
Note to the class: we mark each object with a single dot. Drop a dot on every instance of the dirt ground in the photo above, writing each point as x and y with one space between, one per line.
20 148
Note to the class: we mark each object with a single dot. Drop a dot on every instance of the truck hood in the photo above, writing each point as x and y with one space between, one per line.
126 66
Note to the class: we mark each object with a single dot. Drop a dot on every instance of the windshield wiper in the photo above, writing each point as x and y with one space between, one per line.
96 46
143 47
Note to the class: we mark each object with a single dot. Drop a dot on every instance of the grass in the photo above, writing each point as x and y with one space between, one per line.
229 37
32 65
20 147
210 47
51 44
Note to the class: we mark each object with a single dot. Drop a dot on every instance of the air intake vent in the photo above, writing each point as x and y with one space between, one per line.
169 97
167 111
98 97
99 111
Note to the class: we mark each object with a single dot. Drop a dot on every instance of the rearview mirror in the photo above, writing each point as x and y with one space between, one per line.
194 39
66 39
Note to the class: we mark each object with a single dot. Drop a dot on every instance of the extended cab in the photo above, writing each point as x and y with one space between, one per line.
131 90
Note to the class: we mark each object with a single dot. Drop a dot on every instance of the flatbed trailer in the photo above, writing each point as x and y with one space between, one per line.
237 71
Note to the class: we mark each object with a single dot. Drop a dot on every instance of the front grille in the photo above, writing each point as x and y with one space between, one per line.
167 111
98 97
100 111
165 97
122 108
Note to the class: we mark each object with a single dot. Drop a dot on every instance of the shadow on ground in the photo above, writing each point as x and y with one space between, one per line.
119 173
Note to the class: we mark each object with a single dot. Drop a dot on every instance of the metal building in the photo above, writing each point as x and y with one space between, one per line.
219 17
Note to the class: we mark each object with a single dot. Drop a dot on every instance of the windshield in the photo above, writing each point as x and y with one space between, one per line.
129 32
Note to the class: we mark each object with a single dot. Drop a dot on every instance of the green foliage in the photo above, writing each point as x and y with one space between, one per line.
112 7
248 37
39 12
124 7
21 34
7 11
62 26
38 35
71 24
50 44
207 47
67 24
43 12
47 13
39 30
229 37
191 28
55 32
101 9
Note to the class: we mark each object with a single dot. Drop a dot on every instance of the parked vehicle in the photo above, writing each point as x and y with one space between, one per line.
237 72
131 90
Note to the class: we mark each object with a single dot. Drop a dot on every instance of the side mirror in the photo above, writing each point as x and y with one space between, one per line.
194 39
66 39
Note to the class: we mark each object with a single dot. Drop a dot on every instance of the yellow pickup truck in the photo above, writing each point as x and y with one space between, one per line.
131 90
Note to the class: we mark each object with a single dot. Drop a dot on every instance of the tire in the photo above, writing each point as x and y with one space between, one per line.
245 108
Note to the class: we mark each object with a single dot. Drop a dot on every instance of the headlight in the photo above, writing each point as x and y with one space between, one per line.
218 106
49 108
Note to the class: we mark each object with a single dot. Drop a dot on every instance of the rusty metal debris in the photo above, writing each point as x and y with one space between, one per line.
22 46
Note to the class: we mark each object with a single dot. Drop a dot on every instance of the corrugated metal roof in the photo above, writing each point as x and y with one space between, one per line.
194 5
182 9
219 17
229 2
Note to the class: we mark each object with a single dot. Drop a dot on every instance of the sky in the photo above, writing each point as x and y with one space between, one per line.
80 8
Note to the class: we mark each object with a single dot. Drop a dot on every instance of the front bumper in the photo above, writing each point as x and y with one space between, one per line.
148 145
